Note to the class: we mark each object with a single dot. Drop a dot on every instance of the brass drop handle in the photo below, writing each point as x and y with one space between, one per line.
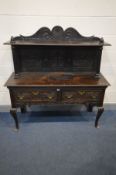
21 97
93 96
50 97
81 92
69 96
35 92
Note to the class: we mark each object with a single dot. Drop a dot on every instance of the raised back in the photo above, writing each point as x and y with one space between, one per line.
57 35
57 50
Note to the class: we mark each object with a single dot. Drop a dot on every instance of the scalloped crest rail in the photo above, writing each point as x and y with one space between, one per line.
59 36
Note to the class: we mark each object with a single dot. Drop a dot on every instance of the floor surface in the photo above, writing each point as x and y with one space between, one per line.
58 143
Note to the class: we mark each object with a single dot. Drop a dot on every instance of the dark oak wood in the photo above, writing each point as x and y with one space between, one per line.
63 50
57 37
99 113
29 89
80 59
89 107
23 109
56 67
55 79
14 115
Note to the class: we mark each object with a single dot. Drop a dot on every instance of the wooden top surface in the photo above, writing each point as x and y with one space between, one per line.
48 79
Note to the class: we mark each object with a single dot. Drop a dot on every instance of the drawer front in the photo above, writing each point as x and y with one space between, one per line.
34 95
82 96
58 95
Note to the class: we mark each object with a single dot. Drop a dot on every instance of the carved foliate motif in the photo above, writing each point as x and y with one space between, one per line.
57 34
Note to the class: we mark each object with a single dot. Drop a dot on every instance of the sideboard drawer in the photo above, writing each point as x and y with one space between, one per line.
57 95
82 96
34 95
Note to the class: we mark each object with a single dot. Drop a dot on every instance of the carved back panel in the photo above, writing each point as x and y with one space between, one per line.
55 58
57 50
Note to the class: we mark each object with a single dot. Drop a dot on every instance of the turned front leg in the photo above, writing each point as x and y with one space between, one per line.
14 115
99 113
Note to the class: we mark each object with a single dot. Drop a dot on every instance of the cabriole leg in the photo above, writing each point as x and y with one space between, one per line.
99 113
14 115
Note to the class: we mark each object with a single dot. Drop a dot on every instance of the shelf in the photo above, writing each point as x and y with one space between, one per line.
56 43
